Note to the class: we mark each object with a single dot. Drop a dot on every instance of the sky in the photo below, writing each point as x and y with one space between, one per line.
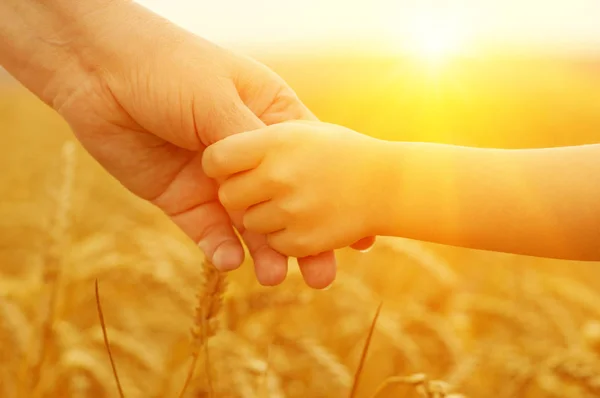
551 25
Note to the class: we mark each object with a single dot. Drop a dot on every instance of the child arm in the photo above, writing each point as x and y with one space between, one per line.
312 187
540 202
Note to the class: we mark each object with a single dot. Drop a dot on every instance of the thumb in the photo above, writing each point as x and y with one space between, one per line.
228 118
191 201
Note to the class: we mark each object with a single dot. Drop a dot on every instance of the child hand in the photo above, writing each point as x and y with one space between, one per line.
309 186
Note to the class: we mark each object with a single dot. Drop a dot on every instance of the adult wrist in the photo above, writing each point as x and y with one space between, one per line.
122 39
40 40
52 47
100 41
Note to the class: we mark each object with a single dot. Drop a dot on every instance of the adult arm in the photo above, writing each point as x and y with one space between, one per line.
145 97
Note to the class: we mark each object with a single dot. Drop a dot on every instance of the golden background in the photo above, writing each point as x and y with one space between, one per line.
489 324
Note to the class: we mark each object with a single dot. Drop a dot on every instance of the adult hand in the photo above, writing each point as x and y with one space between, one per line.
145 98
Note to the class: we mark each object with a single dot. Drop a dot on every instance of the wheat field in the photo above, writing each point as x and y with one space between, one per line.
452 322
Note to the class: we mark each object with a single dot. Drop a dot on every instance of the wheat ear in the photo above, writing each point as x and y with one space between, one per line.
210 302
52 271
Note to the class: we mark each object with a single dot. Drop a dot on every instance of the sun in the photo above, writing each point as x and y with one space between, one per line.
434 38
436 45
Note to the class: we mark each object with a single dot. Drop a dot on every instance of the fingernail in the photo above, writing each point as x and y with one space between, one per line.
219 258
328 287
228 256
203 245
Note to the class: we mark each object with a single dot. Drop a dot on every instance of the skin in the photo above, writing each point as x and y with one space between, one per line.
278 183
293 183
145 98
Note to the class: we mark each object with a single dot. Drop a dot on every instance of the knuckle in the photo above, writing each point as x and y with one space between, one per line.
302 245
280 243
289 210
227 107
249 221
215 161
206 115
276 242
280 176
226 197
291 244
283 135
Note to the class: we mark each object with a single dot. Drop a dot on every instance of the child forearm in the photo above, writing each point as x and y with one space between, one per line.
541 202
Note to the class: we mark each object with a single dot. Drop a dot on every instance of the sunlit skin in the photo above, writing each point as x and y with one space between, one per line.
145 98
312 187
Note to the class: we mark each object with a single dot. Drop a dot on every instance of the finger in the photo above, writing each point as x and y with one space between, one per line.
229 116
318 271
264 218
190 200
287 106
364 244
209 225
270 266
243 191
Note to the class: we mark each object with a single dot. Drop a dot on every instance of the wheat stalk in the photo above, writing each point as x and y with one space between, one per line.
271 382
107 344
85 361
579 367
402 342
210 300
327 360
433 264
130 348
363 357
52 272
575 292
425 387
14 327
241 306
79 385
439 328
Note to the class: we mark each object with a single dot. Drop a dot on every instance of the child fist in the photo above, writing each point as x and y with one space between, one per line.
309 186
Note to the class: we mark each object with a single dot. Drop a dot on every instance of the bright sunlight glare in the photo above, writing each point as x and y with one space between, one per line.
435 39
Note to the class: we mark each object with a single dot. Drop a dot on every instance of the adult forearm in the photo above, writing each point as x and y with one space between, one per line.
50 46
40 40
533 202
